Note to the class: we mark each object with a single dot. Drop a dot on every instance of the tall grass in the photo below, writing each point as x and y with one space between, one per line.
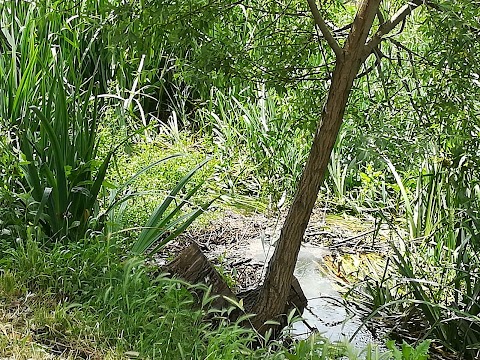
258 130
438 263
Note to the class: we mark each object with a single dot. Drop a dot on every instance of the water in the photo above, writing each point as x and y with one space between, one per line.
326 310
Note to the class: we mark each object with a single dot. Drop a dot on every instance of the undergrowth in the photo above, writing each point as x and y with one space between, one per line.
83 296
87 299
72 94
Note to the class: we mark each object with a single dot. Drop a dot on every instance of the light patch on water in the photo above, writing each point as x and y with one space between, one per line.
326 310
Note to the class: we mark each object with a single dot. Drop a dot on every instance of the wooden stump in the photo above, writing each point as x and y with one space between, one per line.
192 266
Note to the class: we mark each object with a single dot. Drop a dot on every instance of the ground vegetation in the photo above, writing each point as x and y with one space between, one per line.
122 123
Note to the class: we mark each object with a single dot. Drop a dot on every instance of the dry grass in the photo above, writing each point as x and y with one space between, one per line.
16 339
20 330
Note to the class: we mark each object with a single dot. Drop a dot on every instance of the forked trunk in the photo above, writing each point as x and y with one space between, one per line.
270 303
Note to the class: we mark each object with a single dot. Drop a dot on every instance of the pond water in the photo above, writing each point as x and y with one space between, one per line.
326 310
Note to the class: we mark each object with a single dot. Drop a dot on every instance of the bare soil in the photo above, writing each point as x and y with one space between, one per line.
236 242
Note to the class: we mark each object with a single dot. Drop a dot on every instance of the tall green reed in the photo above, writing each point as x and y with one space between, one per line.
436 266
50 112
257 128
61 166
167 220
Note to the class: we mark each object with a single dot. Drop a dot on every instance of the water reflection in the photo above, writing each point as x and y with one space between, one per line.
326 311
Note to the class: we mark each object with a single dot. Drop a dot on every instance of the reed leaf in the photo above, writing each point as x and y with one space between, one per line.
163 219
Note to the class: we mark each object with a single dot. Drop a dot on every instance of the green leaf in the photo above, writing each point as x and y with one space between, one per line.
46 195
58 160
159 219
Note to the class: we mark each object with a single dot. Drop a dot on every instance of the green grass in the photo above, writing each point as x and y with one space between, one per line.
433 272
85 300
153 183
99 301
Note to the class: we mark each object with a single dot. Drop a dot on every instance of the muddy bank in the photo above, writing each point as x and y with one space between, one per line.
240 246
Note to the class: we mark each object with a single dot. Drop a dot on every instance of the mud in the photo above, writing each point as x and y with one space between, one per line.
240 246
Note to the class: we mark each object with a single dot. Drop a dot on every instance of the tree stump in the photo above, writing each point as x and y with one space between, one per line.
192 266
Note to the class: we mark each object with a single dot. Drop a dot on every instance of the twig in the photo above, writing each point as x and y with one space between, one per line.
324 29
354 238
391 24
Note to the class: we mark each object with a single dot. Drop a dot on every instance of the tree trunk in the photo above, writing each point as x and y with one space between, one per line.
272 297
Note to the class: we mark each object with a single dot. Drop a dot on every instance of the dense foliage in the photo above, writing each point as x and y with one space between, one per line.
98 100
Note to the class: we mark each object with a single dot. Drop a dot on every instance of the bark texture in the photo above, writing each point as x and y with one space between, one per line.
192 266
272 297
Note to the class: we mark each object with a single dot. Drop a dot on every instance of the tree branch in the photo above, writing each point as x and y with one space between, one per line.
380 17
396 19
378 58
342 29
324 29
410 52
367 10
